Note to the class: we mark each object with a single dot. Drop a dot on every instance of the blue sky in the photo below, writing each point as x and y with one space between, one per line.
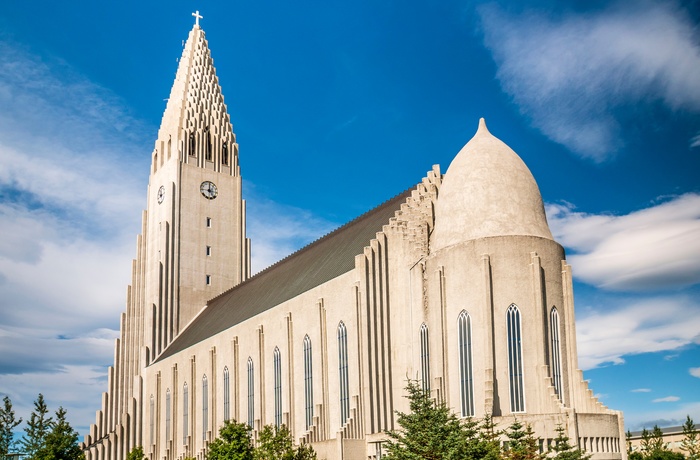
337 107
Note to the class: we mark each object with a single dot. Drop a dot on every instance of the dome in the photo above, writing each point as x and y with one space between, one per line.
487 191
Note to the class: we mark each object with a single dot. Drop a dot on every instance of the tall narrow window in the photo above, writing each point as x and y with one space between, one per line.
277 365
152 419
424 358
168 412
251 393
205 407
224 154
192 150
308 383
515 360
227 395
343 373
208 155
185 413
466 381
556 350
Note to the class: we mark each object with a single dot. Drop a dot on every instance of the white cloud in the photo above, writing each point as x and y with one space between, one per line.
666 399
621 327
694 371
654 248
695 141
666 415
641 390
571 73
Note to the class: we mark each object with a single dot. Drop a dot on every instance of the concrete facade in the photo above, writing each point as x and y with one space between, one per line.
456 282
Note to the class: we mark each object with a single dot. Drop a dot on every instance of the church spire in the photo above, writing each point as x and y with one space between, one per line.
196 124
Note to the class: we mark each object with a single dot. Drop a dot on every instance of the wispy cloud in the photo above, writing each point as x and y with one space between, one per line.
654 248
694 371
641 390
666 399
665 415
618 327
571 73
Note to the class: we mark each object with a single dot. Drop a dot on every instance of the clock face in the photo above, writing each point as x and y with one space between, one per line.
161 194
208 190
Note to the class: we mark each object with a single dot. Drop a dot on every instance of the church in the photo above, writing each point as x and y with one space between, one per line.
456 282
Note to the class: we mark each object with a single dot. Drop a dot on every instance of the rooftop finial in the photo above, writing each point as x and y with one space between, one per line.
197 17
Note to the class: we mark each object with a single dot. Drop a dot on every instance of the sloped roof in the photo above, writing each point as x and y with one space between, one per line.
324 259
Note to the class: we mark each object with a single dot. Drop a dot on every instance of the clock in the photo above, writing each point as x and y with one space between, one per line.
208 190
161 194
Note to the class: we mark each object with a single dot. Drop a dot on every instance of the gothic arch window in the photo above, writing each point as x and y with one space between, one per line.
277 370
168 413
466 377
185 413
556 350
152 415
205 407
308 383
227 395
251 393
193 152
515 360
343 373
424 358
224 153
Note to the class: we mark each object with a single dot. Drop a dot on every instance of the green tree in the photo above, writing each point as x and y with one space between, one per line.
522 444
274 444
8 423
563 450
62 441
135 454
429 431
38 427
691 442
233 443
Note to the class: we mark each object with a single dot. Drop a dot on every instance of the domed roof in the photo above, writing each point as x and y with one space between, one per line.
487 191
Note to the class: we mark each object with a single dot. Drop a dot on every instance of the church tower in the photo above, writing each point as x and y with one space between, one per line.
192 245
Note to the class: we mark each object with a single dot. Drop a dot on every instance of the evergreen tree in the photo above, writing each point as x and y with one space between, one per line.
691 442
656 443
646 446
563 450
8 423
522 444
62 441
37 429
429 431
135 454
233 443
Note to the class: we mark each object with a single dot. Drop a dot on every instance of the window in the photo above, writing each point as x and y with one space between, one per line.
208 250
424 358
251 393
227 395
556 350
208 155
308 383
152 415
515 360
167 414
343 373
466 381
208 222
208 279
185 413
277 368
192 150
224 154
205 407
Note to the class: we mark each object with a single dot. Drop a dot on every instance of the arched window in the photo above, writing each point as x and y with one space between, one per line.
556 350
168 412
466 380
227 395
308 383
515 360
424 358
224 154
205 407
343 373
185 413
152 415
277 365
251 393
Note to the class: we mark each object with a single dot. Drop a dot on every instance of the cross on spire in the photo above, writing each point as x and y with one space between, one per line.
197 17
